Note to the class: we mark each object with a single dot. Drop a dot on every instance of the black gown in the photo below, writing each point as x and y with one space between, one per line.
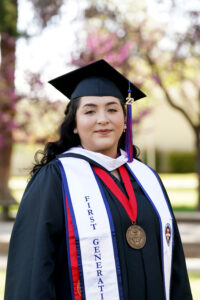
37 262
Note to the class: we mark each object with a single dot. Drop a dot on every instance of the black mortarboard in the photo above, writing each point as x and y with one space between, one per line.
96 79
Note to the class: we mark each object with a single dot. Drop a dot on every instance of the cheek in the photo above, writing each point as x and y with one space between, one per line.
119 121
84 123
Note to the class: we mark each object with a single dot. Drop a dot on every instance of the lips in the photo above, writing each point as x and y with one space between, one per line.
103 131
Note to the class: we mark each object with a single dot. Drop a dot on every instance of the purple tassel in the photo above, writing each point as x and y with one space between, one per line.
129 133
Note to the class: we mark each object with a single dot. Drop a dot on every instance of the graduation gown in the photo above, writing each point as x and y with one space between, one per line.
37 262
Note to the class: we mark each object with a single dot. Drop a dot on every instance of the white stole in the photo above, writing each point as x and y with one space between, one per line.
94 228
94 231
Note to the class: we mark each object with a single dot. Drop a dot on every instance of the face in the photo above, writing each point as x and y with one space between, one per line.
100 122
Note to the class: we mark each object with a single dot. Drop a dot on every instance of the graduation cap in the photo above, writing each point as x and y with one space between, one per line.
100 79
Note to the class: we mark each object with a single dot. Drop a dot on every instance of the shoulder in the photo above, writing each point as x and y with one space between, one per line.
42 201
49 170
43 192
48 176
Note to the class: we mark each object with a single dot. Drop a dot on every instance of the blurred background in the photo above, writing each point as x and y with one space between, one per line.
156 44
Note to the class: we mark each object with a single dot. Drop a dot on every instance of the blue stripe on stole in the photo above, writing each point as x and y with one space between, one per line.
161 231
66 189
113 234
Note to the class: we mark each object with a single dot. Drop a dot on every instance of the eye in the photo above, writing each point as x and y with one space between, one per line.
112 110
89 112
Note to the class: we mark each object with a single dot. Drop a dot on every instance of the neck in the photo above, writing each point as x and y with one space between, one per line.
116 174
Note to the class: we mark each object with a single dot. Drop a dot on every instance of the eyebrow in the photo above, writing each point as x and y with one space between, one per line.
94 105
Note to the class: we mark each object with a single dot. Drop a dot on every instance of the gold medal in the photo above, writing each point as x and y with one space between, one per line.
136 237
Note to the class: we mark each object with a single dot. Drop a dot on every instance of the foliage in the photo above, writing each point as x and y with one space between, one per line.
181 162
46 9
103 44
8 17
37 121
9 97
157 57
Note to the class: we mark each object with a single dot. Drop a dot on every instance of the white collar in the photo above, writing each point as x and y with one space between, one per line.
105 161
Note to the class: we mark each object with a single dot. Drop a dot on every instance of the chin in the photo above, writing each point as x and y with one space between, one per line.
106 150
102 147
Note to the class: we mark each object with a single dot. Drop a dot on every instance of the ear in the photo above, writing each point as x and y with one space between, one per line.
75 131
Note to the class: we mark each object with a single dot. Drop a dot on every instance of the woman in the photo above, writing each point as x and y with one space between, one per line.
93 224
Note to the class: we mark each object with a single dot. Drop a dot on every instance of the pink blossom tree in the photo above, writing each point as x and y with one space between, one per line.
44 10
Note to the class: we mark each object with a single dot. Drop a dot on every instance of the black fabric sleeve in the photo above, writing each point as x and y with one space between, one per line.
35 239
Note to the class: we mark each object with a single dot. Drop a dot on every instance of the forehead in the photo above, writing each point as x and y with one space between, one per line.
98 100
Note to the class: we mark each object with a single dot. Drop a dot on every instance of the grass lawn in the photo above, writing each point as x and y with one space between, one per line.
194 281
182 190
195 285
2 283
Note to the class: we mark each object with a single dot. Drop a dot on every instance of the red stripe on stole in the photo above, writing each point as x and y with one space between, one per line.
73 256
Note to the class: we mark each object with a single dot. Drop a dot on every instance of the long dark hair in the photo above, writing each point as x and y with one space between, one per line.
68 139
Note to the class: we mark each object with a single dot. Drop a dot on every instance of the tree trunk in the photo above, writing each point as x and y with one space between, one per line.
198 164
6 199
195 128
7 109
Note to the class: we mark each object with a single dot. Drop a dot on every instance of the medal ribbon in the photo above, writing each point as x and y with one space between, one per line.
130 203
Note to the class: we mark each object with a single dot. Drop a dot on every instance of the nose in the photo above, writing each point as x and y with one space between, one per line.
102 118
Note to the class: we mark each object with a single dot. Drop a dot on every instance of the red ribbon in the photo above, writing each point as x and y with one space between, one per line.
130 203
73 256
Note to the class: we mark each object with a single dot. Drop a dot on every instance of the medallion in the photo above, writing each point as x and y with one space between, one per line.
168 233
136 237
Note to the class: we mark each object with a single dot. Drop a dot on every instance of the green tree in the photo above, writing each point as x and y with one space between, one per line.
44 11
